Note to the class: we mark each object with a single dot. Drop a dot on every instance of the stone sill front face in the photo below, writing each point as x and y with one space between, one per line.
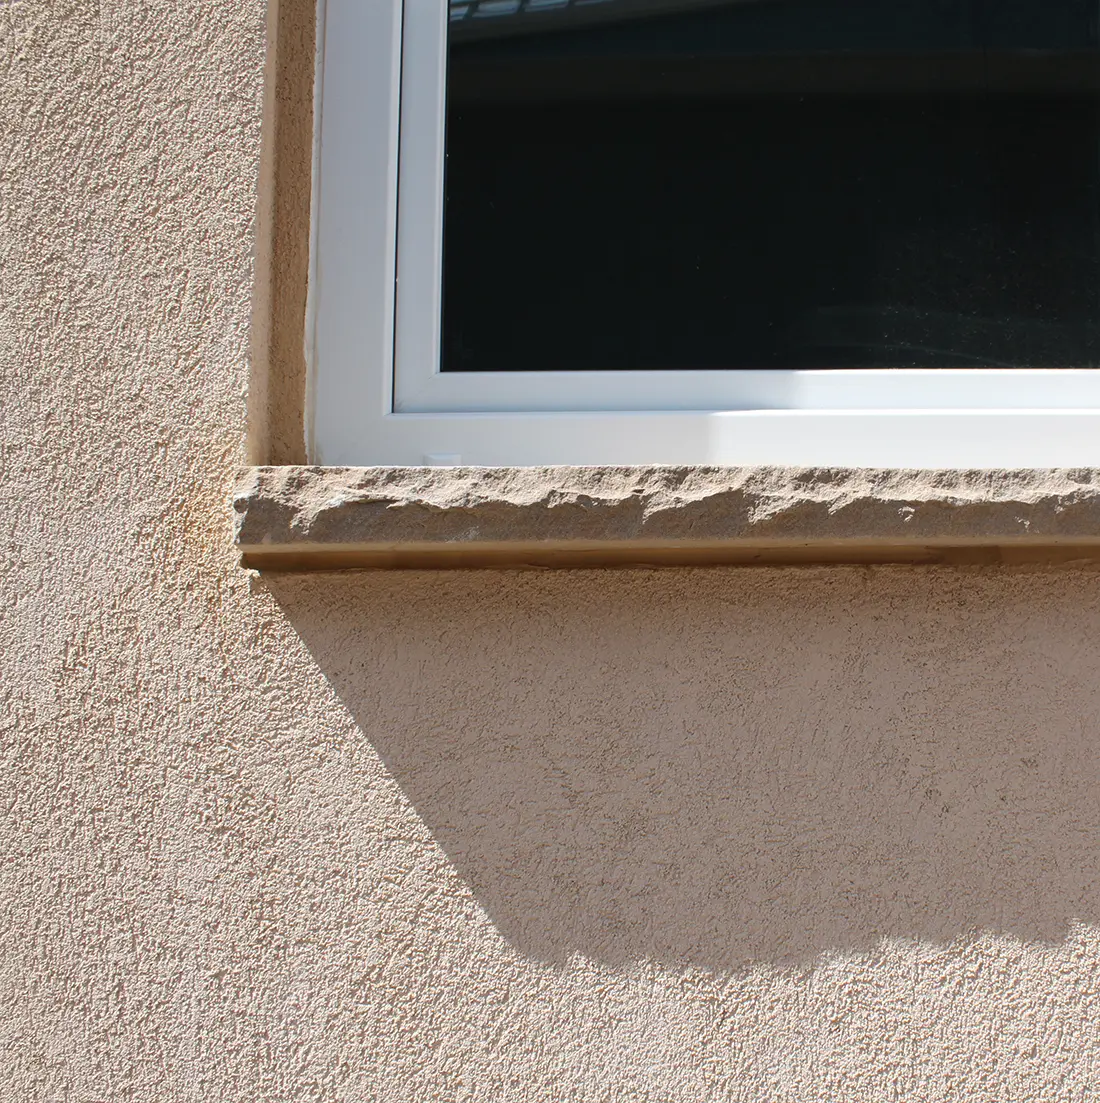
337 518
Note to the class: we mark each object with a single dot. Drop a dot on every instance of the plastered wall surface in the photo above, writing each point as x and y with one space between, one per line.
769 835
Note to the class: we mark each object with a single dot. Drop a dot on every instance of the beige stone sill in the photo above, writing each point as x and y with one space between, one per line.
330 518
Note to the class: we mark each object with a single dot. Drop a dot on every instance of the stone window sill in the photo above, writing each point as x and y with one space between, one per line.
333 518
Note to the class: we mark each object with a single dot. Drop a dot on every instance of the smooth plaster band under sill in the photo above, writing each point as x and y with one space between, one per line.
330 518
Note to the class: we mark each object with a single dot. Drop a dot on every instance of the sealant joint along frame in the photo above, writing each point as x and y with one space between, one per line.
377 396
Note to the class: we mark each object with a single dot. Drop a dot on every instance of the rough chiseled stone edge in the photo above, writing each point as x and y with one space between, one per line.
334 508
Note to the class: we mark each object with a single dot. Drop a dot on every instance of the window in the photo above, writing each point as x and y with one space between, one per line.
692 231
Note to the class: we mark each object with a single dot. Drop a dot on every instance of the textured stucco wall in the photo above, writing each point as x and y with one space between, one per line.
764 835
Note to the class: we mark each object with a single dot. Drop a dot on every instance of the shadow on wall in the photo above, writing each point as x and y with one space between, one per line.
723 767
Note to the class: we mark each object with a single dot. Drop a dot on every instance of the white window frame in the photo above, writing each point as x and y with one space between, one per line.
377 396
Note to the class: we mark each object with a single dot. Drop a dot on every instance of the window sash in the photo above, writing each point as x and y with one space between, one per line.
377 394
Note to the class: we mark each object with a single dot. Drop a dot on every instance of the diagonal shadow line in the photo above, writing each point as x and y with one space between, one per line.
723 767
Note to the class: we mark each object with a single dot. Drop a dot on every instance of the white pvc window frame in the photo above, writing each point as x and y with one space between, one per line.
377 396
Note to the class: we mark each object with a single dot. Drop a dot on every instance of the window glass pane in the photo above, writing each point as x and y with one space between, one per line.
645 184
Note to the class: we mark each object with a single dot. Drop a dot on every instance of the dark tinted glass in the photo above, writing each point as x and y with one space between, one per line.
638 184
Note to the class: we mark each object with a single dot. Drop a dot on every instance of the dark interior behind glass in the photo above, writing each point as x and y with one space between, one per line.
638 184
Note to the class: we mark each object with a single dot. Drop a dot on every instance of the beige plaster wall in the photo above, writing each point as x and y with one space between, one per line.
758 835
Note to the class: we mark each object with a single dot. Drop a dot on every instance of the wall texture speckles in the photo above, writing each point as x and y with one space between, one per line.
806 835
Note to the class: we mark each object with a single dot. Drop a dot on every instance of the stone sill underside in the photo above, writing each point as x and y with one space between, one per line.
339 518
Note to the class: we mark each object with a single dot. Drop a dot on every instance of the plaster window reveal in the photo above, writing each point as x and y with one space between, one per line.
718 232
